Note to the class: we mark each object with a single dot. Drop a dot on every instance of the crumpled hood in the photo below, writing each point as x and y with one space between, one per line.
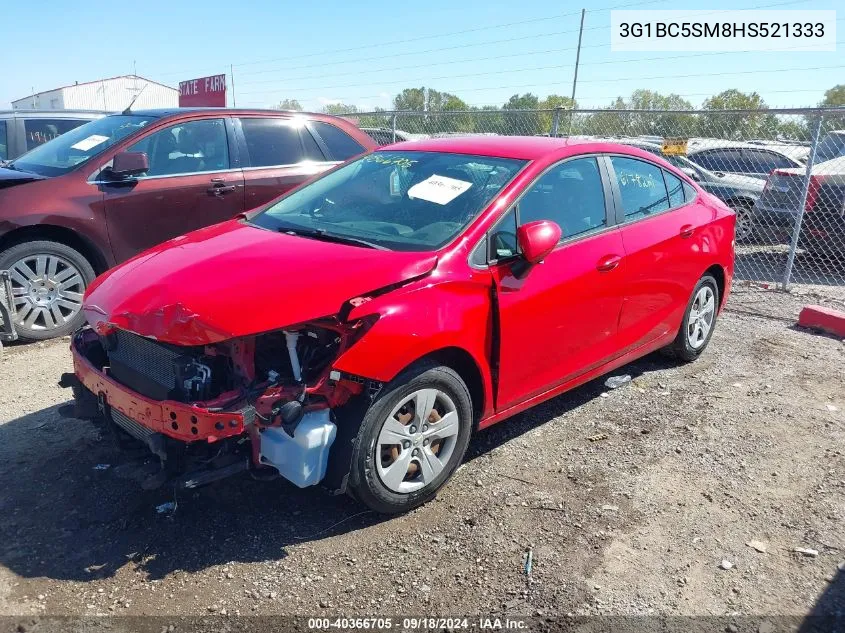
233 279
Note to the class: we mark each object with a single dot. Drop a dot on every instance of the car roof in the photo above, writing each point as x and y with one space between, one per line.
53 114
518 147
164 112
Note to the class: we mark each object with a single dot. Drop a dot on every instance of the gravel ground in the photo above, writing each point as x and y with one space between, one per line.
685 492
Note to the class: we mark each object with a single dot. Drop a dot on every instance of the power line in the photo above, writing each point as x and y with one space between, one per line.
515 70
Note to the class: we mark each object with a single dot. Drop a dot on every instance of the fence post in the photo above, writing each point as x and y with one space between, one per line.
393 126
799 218
555 122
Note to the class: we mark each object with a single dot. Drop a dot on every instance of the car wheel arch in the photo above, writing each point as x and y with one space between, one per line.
60 234
719 274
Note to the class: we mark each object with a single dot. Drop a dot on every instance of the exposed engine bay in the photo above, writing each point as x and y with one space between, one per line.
263 403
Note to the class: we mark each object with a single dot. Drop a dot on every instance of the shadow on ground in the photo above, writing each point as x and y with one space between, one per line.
62 518
828 614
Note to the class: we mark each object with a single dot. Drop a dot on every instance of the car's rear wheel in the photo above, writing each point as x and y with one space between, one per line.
699 321
412 439
48 281
744 223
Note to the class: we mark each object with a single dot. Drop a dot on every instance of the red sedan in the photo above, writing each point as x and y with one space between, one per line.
358 330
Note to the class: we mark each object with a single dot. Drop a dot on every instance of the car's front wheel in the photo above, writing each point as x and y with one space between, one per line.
48 281
412 439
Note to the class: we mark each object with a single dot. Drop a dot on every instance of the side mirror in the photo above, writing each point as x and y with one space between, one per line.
692 173
537 239
130 164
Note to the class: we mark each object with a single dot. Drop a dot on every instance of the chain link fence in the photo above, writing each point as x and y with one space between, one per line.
781 170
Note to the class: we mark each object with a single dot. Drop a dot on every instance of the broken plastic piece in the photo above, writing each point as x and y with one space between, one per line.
615 382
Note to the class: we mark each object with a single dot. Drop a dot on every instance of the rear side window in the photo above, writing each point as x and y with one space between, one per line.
341 145
4 147
720 160
689 192
641 187
675 188
39 131
761 162
274 141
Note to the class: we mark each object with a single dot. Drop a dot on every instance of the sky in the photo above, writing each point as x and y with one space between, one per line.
364 52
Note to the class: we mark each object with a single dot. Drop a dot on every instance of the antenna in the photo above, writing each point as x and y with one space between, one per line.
128 109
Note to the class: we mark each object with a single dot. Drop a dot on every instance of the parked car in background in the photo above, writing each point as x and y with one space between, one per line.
738 192
101 193
385 135
831 146
823 224
410 309
739 158
23 130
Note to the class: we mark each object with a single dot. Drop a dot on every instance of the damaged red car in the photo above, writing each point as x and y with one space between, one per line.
355 332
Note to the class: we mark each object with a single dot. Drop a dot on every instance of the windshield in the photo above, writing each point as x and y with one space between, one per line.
73 148
407 201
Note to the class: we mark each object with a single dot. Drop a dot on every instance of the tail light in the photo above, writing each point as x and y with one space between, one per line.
813 192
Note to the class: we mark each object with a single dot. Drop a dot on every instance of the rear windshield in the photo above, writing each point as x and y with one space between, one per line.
407 201
63 153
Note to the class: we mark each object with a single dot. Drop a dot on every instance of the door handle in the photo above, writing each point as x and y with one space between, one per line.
219 188
608 263
687 230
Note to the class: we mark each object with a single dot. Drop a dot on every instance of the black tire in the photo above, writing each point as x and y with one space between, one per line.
365 483
681 347
56 249
742 209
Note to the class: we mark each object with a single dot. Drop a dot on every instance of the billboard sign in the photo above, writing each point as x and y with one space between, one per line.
205 91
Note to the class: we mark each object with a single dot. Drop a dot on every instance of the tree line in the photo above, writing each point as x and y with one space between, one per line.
431 111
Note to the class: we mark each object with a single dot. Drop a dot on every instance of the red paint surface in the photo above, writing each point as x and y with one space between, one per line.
822 318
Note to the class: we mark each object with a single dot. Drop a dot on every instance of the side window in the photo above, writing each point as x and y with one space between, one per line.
502 242
719 160
689 192
275 141
4 148
570 194
39 131
340 144
641 187
761 162
312 150
186 148
675 187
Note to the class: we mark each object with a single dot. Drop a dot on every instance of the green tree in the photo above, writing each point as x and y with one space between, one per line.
741 125
529 122
338 109
834 97
547 118
289 104
432 102
659 124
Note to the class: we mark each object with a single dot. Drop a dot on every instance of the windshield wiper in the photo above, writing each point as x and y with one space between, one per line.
320 234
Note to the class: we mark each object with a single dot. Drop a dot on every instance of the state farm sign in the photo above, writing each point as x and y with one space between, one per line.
205 91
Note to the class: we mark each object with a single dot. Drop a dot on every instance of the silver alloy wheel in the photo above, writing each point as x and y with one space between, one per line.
743 228
701 317
416 440
47 291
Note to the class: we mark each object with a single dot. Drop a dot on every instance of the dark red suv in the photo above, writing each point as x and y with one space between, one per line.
96 196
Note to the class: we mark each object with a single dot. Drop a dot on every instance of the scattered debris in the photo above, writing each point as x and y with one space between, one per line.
726 564
102 466
737 385
529 562
614 382
598 437
94 568
806 551
610 508
166 508
832 408
759 546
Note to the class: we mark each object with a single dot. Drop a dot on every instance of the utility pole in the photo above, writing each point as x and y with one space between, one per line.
577 61
232 75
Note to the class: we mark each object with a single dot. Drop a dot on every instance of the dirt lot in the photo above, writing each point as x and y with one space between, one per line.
629 500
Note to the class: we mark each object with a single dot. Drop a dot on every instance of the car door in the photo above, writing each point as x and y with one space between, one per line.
558 319
660 221
192 182
279 154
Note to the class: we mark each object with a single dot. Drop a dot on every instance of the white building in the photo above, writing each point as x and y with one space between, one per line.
112 94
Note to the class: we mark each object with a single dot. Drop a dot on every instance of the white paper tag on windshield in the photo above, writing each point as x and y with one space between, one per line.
87 143
438 189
